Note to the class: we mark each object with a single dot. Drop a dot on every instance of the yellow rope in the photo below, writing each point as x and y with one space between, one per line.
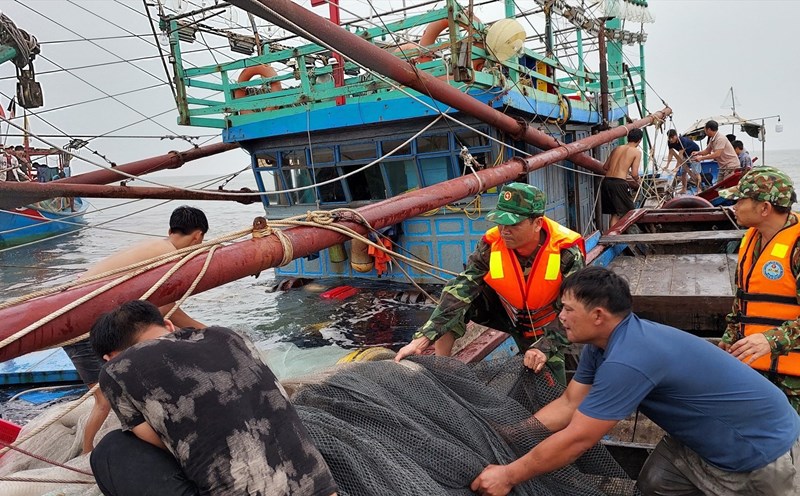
167 257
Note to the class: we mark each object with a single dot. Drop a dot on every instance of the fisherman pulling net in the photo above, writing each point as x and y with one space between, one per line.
427 426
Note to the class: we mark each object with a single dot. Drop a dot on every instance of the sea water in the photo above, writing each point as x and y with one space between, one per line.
285 324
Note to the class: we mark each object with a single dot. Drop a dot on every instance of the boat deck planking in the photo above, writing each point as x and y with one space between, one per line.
702 285
671 238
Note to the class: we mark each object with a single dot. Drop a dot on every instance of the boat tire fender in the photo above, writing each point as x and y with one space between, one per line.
688 202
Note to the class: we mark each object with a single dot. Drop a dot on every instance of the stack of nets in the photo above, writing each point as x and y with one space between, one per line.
430 425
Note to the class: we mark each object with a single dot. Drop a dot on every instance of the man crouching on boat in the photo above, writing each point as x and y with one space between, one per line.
200 412
187 227
517 266
729 431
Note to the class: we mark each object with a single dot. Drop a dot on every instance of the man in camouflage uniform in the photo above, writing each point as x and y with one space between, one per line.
500 290
764 328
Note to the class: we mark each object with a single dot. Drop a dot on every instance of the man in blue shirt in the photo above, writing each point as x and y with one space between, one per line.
745 162
681 148
729 431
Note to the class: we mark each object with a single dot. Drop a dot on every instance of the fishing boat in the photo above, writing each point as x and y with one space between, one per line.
51 216
44 219
324 131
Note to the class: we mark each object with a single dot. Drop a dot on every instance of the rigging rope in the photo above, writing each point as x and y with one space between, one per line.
25 44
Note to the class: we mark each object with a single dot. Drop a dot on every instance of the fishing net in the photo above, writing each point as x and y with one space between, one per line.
431 426
60 441
427 426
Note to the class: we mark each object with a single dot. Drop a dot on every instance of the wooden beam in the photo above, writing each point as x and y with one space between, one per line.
672 238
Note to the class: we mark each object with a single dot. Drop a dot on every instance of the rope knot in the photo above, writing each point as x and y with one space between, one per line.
261 228
320 217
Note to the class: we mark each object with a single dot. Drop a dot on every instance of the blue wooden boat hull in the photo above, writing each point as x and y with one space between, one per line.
27 224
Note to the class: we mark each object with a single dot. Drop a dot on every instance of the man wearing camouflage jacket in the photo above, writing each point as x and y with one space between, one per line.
511 283
764 328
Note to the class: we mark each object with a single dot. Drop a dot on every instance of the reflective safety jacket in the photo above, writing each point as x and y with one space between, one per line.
768 293
530 302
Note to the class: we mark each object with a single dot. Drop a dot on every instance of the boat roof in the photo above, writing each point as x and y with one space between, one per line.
696 130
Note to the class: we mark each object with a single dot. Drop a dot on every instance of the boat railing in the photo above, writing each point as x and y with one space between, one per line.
305 76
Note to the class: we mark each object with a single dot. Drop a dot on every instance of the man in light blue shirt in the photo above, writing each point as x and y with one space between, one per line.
745 162
729 431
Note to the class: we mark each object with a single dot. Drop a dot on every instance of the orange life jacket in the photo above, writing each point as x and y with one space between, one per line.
530 303
768 292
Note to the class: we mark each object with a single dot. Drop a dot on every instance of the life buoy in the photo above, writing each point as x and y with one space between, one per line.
432 31
688 202
265 71
367 355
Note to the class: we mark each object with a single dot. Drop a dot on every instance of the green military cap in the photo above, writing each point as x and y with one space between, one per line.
516 203
763 184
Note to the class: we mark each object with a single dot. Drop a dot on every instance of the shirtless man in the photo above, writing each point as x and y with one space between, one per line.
615 193
187 227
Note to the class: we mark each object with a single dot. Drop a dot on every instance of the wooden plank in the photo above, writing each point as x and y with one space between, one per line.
701 275
704 275
657 274
673 237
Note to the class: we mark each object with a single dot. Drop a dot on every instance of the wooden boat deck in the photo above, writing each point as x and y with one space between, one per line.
701 285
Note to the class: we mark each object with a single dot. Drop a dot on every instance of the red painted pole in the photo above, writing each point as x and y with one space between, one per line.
28 192
171 160
291 16
253 256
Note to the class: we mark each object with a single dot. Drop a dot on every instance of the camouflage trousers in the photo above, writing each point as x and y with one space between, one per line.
790 386
488 311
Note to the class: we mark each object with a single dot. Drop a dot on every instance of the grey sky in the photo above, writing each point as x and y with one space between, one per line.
696 51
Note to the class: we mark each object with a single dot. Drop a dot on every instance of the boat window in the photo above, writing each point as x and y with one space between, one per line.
470 138
294 158
265 160
268 180
332 192
435 169
367 184
390 144
298 178
322 155
402 175
358 151
435 143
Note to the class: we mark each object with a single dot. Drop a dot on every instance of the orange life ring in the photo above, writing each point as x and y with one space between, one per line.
265 71
432 31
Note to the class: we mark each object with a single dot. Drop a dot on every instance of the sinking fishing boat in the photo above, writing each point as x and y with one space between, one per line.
325 130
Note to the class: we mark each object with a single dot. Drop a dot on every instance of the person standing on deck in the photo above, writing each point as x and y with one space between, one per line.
11 165
615 193
720 149
764 327
517 267
187 227
745 162
201 414
681 148
728 431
